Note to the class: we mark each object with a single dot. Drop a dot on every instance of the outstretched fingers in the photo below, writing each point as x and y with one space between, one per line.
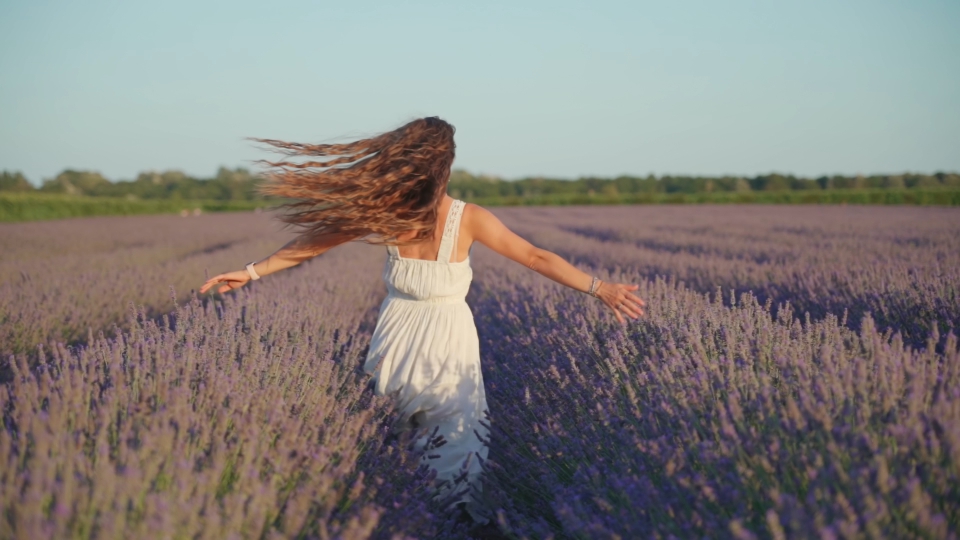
627 303
637 304
210 283
616 313
633 310
630 310
229 283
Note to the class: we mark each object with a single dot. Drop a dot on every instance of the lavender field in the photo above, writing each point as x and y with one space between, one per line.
797 375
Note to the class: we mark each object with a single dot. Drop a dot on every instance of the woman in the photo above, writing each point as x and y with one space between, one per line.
392 190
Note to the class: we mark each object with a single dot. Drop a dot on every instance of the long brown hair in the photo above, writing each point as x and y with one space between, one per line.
374 189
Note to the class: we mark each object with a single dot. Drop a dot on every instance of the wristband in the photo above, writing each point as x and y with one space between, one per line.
594 286
253 273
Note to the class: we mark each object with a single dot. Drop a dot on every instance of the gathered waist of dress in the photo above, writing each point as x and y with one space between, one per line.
451 299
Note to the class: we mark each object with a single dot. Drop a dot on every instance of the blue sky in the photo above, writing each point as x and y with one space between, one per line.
554 88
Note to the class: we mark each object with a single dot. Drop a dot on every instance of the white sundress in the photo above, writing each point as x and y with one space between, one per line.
425 350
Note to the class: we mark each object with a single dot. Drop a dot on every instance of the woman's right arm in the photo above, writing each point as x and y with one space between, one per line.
487 229
291 254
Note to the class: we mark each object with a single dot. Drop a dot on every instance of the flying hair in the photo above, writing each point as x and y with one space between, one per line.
373 189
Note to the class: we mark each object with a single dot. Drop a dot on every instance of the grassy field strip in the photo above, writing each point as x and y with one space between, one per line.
16 207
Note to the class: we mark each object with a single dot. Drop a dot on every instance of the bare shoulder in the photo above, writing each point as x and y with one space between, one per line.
486 227
476 218
474 213
469 208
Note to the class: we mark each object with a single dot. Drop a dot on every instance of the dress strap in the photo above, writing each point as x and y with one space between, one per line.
451 230
393 251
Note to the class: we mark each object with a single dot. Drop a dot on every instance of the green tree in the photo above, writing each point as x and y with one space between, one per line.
73 182
236 184
894 182
921 181
14 181
772 182
949 179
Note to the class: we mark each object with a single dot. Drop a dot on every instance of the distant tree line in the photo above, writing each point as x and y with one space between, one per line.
228 185
239 184
463 184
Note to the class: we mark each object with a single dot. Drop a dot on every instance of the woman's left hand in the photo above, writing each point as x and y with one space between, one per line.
619 298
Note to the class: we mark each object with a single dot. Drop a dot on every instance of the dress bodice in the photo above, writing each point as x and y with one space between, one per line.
432 281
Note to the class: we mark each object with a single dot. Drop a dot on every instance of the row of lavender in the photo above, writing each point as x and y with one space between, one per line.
714 416
63 280
900 265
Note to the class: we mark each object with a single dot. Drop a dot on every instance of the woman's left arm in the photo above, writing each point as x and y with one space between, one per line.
487 229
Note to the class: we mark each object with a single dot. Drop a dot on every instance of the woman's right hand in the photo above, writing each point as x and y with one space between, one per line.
619 298
231 280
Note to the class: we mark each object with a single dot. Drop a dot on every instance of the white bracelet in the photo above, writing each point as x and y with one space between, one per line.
253 273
